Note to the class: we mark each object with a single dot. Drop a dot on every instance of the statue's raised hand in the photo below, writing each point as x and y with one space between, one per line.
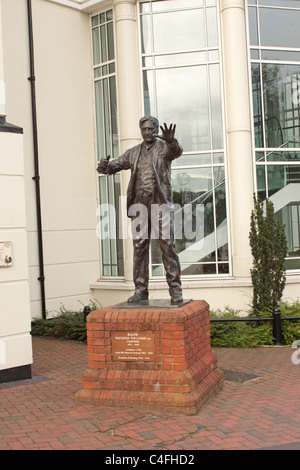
167 133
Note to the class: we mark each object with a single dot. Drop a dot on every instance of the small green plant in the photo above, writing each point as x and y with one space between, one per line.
269 247
238 334
67 325
290 328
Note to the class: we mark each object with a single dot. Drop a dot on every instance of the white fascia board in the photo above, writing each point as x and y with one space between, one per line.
86 6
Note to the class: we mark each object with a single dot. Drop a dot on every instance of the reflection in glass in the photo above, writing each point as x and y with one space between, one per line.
218 157
280 55
99 119
280 3
213 56
279 156
284 192
261 182
109 15
188 58
149 94
193 189
146 35
106 114
104 200
110 41
96 46
171 33
260 156
223 268
110 229
257 105
221 216
114 117
279 27
212 27
292 264
281 84
275 178
196 269
182 98
95 20
281 104
188 160
254 54
200 227
162 5
145 7
216 107
252 16
97 72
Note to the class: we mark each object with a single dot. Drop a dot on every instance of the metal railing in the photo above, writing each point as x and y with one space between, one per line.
276 318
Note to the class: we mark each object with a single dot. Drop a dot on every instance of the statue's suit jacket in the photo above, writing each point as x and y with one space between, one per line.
163 154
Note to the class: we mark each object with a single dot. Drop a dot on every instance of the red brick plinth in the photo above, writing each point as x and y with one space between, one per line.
179 374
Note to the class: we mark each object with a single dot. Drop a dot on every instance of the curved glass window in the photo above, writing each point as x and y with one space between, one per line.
109 229
275 58
182 85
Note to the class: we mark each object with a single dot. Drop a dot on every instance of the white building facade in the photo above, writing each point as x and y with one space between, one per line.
227 72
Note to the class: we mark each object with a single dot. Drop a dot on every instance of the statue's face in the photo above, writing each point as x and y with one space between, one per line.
149 131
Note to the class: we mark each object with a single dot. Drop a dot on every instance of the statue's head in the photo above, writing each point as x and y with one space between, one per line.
149 128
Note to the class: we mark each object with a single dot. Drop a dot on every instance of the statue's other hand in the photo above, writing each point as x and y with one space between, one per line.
102 166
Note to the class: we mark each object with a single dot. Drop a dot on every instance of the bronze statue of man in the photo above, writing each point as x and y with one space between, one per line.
150 186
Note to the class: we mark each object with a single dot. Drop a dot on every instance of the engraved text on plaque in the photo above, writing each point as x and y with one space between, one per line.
133 346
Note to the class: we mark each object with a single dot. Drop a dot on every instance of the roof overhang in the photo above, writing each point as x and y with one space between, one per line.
86 6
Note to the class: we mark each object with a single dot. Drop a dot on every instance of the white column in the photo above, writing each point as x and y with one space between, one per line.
2 83
129 92
238 131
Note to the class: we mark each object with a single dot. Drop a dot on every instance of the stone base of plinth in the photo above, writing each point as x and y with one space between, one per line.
159 358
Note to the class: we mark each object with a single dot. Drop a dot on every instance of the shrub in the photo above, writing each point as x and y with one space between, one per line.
290 328
243 334
67 325
238 334
269 248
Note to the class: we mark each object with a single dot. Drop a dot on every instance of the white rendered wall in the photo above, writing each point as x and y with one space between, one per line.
66 147
15 318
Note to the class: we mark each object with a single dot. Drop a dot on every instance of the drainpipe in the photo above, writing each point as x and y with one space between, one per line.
36 176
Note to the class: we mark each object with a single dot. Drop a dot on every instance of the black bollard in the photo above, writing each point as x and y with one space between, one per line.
86 311
277 330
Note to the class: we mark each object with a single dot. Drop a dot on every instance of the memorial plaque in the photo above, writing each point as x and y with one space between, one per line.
133 346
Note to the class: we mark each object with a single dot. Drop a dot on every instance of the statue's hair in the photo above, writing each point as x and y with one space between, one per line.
149 118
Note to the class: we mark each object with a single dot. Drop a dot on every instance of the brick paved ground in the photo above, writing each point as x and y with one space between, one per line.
260 412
